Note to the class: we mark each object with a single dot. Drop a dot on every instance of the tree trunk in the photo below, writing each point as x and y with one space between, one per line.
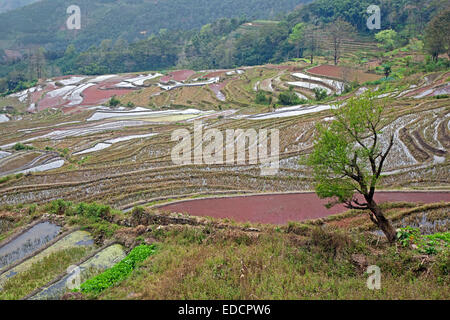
380 220
435 57
336 52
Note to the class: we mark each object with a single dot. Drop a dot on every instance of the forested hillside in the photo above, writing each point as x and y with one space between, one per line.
8 5
132 36
409 16
44 23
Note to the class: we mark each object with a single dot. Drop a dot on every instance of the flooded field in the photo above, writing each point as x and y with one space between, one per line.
27 243
103 260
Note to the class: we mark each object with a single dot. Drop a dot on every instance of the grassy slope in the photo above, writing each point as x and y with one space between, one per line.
296 261
40 273
193 264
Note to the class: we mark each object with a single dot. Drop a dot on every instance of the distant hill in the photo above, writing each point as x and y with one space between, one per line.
43 24
8 5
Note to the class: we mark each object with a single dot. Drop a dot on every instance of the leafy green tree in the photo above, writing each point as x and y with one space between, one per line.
297 37
387 39
437 35
348 158
387 69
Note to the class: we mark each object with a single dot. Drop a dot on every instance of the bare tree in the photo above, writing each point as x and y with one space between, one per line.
311 40
339 30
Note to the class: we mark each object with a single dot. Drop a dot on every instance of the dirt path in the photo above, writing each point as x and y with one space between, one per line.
283 208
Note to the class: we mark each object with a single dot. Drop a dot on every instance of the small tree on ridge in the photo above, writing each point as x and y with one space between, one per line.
348 159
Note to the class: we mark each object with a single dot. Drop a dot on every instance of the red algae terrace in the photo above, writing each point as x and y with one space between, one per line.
284 208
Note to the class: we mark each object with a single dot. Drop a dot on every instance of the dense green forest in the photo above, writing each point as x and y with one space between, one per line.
8 5
230 42
43 24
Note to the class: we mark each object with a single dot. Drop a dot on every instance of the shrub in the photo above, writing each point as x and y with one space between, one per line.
93 210
113 102
5 179
290 98
261 98
298 228
351 86
321 94
60 207
19 147
331 241
32 209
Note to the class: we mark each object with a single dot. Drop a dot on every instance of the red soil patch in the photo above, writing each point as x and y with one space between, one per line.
35 96
94 95
283 208
180 75
337 72
47 102
216 87
327 70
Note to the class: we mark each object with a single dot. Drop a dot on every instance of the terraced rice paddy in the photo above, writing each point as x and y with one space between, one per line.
34 262
28 242
69 146
101 261
73 240
122 156
343 73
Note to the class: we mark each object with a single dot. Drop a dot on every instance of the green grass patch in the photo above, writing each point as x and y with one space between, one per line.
119 272
40 273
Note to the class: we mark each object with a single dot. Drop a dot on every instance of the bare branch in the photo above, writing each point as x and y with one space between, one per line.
384 156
